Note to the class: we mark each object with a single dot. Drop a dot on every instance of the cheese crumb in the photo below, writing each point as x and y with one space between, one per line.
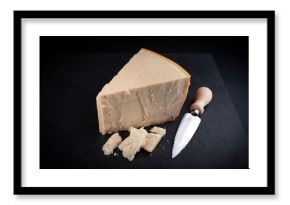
132 144
112 144
138 138
158 130
153 138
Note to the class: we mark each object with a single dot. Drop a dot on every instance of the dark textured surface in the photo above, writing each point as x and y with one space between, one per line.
69 136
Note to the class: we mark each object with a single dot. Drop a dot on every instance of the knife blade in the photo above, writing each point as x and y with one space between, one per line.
191 120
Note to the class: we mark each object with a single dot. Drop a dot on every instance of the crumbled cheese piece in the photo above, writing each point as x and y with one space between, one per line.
153 138
151 141
132 144
112 144
158 130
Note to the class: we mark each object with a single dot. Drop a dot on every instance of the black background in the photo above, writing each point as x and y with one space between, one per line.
74 69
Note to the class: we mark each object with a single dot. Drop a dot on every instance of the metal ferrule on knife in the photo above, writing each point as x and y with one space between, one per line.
195 112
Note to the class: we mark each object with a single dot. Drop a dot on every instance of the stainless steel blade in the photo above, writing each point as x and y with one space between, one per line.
185 132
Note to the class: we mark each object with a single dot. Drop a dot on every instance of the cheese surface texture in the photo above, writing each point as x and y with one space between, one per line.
112 144
132 144
151 141
158 130
150 89
153 138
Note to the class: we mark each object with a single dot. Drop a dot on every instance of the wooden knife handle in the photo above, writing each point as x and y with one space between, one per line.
202 97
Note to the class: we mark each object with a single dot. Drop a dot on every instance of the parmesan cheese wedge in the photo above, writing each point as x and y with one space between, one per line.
150 89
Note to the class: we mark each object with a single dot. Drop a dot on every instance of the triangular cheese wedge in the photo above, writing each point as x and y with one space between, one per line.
150 89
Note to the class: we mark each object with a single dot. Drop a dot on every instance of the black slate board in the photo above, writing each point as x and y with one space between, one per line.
69 136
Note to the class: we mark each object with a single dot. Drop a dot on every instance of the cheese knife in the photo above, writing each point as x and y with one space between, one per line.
191 120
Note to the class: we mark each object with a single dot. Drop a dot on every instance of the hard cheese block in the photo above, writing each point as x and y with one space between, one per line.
150 89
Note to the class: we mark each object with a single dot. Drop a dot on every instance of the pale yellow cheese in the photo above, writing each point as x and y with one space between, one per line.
111 144
150 89
153 139
132 144
158 130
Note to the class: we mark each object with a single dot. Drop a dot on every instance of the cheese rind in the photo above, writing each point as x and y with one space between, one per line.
149 89
132 144
111 144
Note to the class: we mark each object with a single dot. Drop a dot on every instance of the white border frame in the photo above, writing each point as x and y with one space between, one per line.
256 29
